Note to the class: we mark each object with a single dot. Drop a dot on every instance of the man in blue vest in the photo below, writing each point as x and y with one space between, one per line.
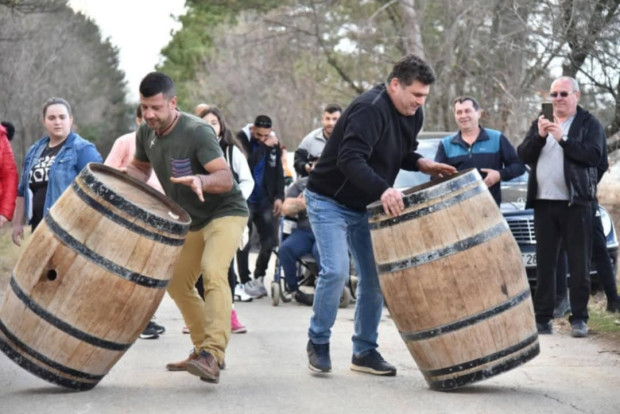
486 149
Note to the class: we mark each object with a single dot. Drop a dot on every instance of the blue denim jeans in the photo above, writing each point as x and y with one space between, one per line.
338 230
299 243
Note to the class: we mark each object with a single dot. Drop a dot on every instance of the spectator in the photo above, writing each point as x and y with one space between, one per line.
373 139
288 174
43 180
122 152
299 243
312 145
563 155
189 164
8 177
9 128
486 149
119 157
236 159
265 202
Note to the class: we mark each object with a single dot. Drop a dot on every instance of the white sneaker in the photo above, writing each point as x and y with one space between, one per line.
240 295
255 288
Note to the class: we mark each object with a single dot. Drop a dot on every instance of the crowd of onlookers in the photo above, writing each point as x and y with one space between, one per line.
242 181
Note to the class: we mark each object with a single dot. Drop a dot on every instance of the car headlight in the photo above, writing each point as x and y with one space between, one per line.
606 220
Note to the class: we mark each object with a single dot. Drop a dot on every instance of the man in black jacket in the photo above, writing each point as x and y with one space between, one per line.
563 155
265 202
373 139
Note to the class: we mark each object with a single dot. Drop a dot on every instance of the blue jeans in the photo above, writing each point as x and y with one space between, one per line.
299 243
338 230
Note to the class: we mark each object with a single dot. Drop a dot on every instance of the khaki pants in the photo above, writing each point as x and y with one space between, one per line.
210 251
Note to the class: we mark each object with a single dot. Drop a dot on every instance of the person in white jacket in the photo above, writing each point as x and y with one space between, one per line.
236 158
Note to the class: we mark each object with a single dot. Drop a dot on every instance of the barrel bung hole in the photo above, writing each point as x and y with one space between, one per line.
51 275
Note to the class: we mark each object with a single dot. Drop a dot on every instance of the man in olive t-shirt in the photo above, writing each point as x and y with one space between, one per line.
184 152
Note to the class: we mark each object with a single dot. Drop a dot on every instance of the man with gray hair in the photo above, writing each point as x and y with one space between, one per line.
563 154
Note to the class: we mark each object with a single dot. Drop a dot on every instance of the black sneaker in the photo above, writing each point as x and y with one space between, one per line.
303 298
579 329
318 357
159 328
150 332
544 328
372 363
562 308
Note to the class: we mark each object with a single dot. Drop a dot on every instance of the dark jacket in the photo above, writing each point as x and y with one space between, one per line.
582 155
273 179
370 143
490 150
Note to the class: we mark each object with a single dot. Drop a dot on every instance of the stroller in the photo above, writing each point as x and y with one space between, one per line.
307 272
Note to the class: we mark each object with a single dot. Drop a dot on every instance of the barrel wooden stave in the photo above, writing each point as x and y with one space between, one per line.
111 270
452 278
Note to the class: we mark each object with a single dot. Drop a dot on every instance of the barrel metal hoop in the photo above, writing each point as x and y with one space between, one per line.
37 355
62 325
122 204
42 372
503 366
103 210
468 321
449 202
440 253
439 190
99 260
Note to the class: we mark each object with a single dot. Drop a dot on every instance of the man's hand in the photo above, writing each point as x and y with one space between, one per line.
492 177
431 167
192 181
3 220
18 234
277 207
546 127
272 140
392 201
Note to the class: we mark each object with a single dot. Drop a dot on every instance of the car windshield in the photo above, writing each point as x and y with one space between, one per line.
407 179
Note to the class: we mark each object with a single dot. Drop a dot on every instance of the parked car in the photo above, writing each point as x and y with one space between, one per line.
520 220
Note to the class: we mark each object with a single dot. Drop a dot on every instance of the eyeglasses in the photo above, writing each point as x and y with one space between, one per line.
563 94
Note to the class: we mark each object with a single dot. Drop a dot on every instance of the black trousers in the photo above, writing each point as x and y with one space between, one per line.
265 222
555 221
601 258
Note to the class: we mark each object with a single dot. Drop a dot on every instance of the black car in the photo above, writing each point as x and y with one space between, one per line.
520 220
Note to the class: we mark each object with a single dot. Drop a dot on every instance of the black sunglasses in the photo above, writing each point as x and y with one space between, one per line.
563 94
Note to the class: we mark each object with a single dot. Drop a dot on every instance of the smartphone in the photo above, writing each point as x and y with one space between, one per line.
547 110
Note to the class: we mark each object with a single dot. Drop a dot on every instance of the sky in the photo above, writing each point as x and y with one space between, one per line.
138 28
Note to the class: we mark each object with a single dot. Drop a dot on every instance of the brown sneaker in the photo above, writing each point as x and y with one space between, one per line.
205 367
181 365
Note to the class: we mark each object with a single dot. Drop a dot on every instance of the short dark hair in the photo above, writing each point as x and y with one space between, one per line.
56 101
139 112
262 121
10 129
461 99
411 68
332 107
157 82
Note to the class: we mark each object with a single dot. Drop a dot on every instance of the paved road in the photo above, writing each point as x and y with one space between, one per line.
267 373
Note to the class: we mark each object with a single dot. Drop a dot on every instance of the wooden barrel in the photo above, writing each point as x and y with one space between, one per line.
90 277
453 280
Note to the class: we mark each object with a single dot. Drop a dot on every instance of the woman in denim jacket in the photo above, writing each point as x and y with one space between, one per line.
50 166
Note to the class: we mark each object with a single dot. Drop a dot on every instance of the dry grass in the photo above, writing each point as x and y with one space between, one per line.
9 253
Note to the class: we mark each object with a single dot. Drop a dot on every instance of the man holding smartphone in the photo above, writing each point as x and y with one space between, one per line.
563 155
